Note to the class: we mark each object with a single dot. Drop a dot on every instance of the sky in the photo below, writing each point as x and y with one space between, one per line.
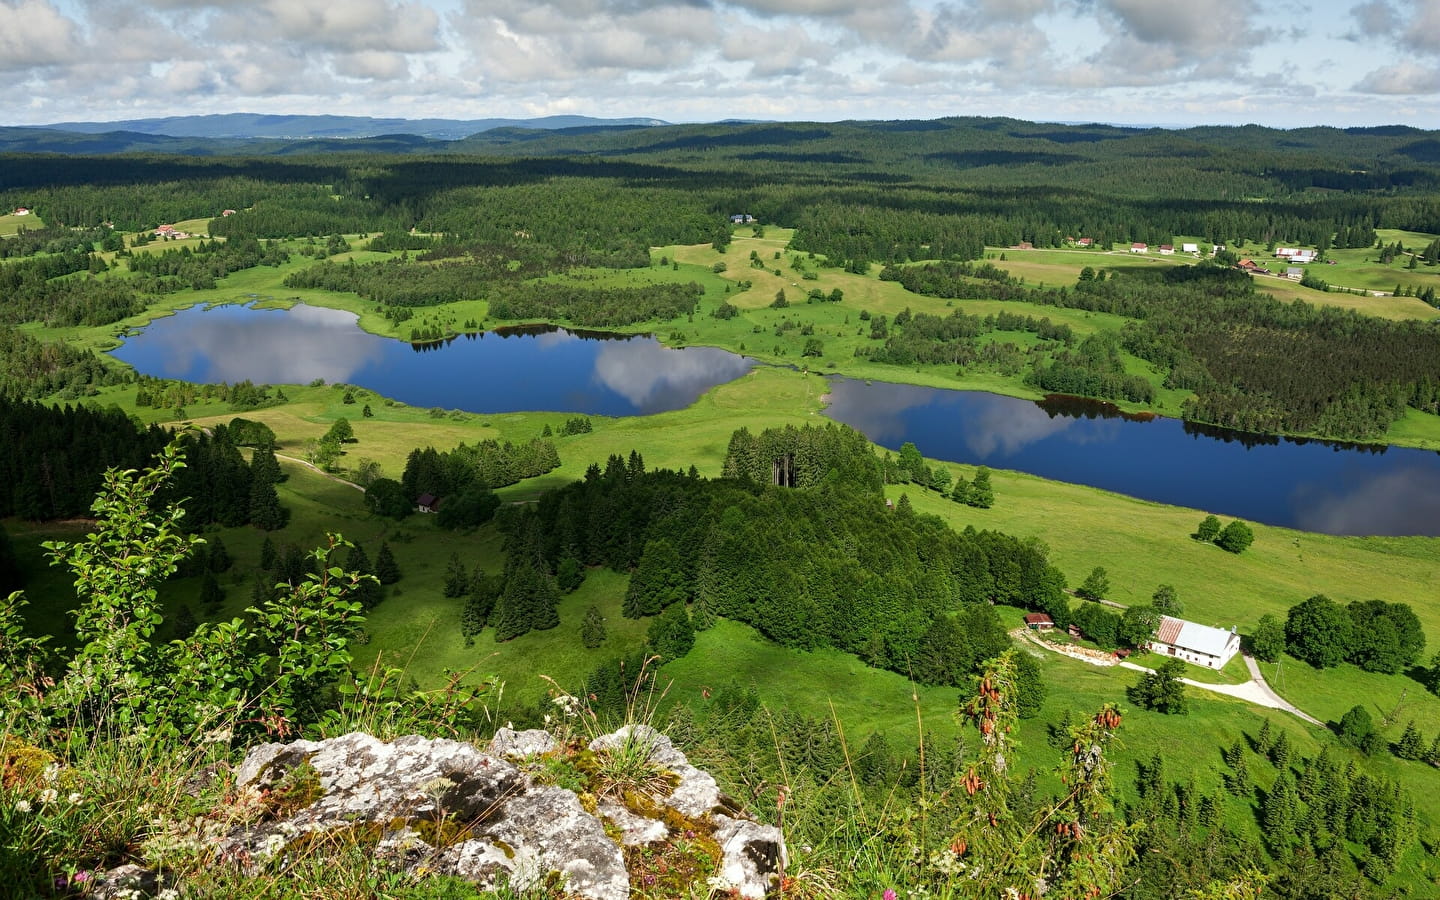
1277 63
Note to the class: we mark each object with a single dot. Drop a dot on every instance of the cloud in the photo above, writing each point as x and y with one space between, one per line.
35 33
1412 30
1401 78
1154 43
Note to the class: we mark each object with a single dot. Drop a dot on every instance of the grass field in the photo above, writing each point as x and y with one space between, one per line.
11 223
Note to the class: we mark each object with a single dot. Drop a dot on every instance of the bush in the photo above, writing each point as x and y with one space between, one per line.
1236 537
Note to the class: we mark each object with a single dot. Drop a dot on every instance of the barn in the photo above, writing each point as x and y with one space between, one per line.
1202 645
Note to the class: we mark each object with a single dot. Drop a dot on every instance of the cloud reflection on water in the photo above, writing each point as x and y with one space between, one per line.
290 347
1400 502
653 377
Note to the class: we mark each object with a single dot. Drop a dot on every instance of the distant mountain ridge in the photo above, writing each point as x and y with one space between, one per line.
302 127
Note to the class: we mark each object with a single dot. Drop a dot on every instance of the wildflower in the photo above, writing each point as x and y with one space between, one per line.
22 806
51 772
80 877
74 797
49 795
889 894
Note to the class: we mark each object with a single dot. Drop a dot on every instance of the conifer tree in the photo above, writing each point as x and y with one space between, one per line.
960 492
265 511
457 579
658 581
1265 739
1280 752
592 628
982 495
1281 811
268 557
211 594
219 560
1411 745
386 569
671 634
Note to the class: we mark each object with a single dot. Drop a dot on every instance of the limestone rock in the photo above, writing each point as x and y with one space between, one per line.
448 807
508 743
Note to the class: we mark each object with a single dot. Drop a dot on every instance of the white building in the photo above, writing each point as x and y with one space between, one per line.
1194 643
1189 248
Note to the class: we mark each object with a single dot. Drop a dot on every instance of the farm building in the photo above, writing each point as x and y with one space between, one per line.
1039 622
1194 643
1294 273
1189 248
427 503
1139 248
1086 242
22 211
1167 250
742 219
1295 255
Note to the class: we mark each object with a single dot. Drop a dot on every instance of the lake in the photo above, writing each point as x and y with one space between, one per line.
1311 485
1306 484
533 368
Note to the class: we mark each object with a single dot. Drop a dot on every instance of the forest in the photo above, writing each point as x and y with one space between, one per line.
762 550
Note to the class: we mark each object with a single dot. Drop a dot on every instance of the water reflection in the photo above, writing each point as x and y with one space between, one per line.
525 368
1316 485
1406 501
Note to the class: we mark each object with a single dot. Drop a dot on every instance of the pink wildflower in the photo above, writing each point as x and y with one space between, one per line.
80 877
889 894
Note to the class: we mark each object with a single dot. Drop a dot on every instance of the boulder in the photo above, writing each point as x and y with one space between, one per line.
448 807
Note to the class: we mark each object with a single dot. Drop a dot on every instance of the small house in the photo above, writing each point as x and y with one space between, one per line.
166 231
1039 622
1024 245
1294 273
742 219
22 211
1167 250
426 503
1198 644
1250 265
1139 248
228 212
1189 248
1086 242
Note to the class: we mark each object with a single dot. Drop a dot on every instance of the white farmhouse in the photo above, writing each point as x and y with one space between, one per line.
1194 643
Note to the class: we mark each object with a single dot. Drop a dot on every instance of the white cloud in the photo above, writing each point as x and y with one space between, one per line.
1401 78
35 33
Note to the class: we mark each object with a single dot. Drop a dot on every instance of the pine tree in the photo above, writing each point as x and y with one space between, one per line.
386 569
982 495
268 558
457 579
220 560
960 492
368 592
1280 752
479 604
1265 739
1411 745
569 574
211 594
592 628
671 634
265 511
1281 811
658 581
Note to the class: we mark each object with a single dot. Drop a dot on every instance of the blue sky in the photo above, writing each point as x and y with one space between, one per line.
1332 62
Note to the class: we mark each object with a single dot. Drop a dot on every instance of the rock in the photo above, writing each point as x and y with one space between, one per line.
448 807
520 744
695 795
127 882
753 855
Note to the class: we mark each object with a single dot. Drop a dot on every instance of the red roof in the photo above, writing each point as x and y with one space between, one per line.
1169 630
1137 246
1086 241
1038 619
1166 247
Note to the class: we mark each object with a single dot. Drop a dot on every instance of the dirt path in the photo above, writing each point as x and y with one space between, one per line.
1254 691
314 468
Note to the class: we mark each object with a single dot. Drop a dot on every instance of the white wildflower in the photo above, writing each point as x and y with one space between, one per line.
51 772
49 795
217 736
74 797
22 806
